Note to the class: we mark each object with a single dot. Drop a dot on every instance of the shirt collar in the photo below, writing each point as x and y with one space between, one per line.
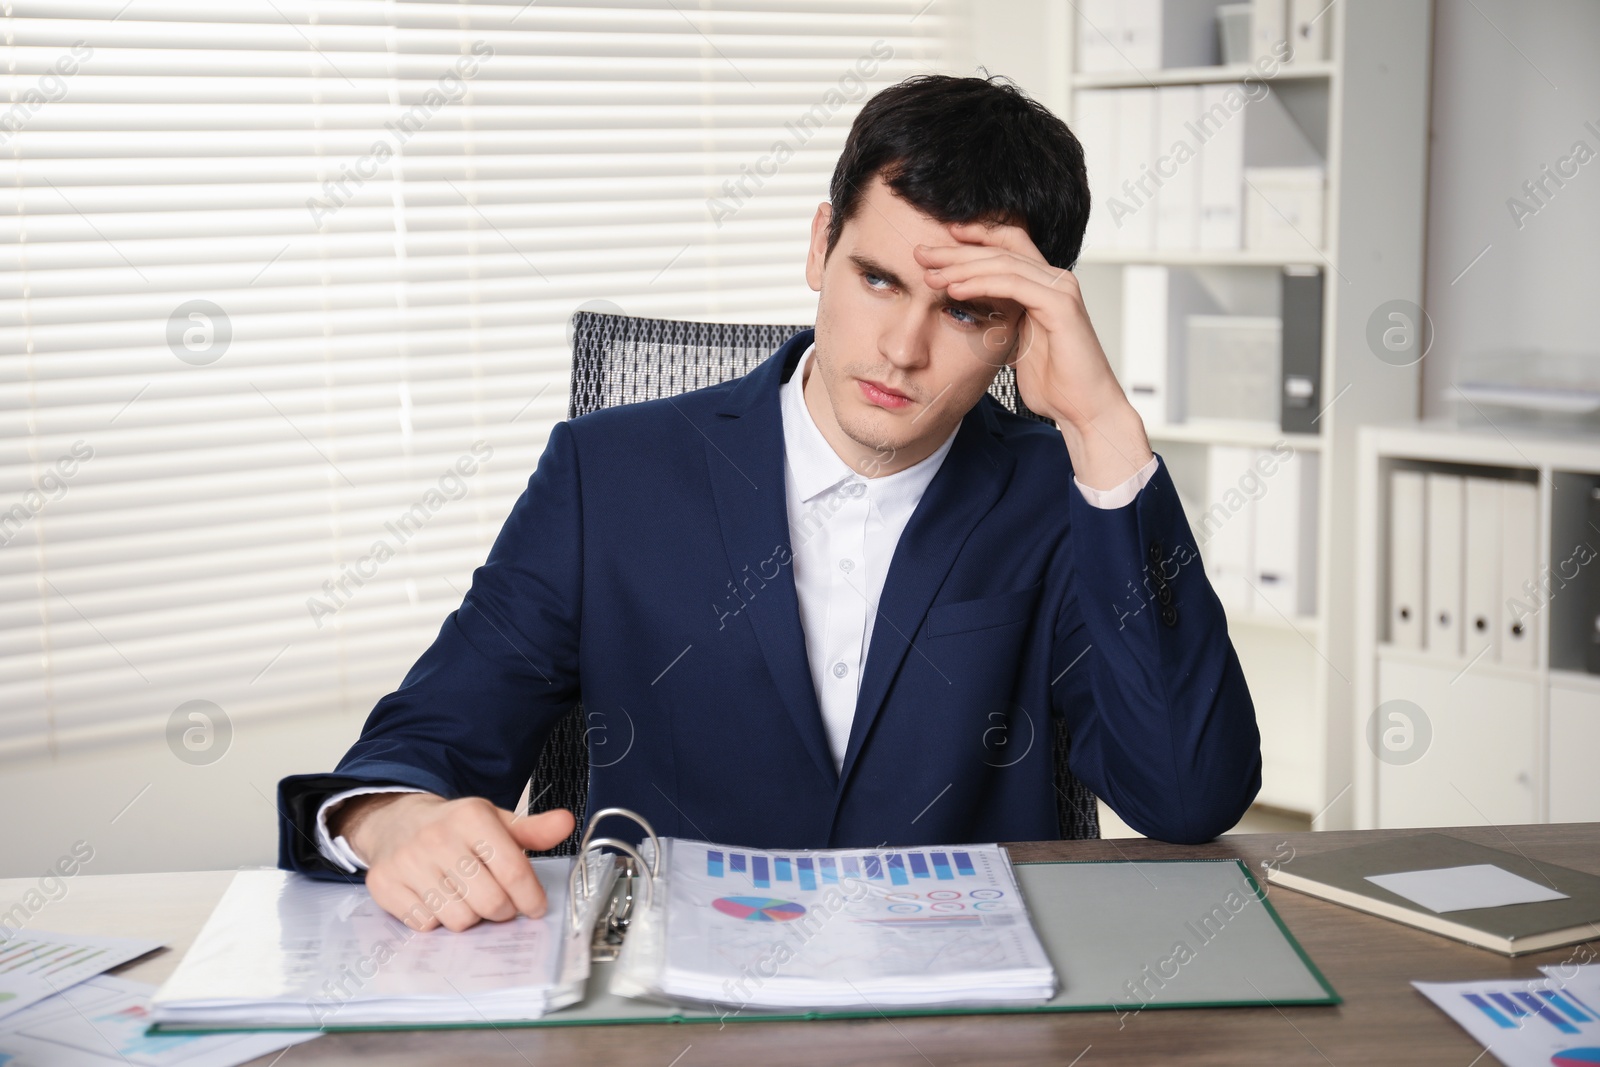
814 467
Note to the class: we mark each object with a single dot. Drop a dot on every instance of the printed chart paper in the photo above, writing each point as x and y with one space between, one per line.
35 964
1552 1021
101 1023
745 927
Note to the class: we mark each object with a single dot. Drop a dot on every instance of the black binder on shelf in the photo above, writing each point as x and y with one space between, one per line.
1302 348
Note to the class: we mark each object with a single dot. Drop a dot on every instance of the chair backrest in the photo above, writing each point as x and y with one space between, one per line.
619 359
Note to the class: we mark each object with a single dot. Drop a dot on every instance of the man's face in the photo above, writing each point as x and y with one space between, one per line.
878 322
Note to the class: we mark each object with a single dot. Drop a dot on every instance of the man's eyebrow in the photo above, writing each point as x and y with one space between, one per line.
867 265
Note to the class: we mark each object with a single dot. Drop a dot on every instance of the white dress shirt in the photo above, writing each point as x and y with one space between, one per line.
843 529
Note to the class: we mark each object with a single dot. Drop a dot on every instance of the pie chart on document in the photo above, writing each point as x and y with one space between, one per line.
759 909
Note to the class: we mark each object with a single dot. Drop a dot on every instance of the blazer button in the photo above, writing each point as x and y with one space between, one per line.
1155 551
1164 594
1169 615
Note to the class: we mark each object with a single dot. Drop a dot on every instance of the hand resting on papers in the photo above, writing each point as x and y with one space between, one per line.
433 861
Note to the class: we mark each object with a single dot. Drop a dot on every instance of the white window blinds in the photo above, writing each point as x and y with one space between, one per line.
283 297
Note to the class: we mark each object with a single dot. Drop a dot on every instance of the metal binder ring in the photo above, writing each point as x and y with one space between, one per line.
587 842
582 864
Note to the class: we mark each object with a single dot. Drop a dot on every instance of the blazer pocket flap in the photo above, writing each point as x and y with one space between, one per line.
982 613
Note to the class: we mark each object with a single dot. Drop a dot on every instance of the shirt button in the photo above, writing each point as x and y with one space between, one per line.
855 489
847 565
840 670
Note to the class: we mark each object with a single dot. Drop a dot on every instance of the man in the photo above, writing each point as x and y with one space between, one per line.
844 599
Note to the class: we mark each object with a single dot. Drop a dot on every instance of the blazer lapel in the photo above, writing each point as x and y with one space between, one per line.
972 477
745 458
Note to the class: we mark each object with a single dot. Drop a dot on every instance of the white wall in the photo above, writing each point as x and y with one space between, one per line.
140 808
1514 82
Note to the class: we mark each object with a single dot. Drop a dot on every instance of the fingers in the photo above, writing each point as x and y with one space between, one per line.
461 862
398 900
511 870
539 832
1005 235
948 264
474 897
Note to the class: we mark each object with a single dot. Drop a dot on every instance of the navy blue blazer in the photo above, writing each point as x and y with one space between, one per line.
646 569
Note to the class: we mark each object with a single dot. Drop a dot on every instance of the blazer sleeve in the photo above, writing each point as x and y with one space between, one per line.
470 716
1159 718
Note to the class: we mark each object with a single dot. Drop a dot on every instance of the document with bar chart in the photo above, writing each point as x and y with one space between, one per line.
35 964
745 928
1540 1022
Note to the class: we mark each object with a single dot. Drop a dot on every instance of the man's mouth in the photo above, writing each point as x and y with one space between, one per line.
882 395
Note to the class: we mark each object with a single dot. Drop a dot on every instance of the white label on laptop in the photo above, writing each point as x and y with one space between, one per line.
1481 885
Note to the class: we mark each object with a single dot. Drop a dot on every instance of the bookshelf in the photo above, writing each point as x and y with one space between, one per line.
1366 108
1504 742
1230 72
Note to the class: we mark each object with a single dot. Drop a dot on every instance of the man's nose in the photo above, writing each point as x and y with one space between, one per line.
904 341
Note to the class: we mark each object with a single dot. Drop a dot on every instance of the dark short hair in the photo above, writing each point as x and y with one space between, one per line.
968 150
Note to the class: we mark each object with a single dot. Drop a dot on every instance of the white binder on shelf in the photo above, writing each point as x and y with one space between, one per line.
1157 303
1309 24
1269 28
1519 565
1406 607
1286 537
1136 154
1099 32
1136 36
1480 571
1221 170
1443 569
1144 342
1140 39
1178 203
1095 124
1228 547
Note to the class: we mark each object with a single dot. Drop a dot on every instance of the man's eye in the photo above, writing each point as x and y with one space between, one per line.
969 320
870 278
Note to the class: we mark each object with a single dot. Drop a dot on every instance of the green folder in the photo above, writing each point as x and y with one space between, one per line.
1123 936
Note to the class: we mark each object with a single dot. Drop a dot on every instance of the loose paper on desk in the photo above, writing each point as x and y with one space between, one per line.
35 964
1479 885
835 928
101 1023
1535 1022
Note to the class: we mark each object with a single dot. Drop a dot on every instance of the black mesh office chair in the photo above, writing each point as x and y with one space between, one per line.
618 359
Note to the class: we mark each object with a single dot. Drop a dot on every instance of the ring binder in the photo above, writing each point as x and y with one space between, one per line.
583 865
589 843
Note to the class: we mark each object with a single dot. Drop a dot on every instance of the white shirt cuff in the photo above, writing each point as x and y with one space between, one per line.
337 850
1119 495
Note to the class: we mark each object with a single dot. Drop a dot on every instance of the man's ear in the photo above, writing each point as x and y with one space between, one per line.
817 253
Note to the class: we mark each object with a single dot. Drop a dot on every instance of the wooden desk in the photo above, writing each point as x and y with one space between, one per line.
1369 961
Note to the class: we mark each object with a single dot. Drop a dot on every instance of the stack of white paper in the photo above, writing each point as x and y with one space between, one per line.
835 928
283 950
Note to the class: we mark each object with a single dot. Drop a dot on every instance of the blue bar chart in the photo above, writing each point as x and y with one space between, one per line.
1550 1020
1514 1010
764 870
